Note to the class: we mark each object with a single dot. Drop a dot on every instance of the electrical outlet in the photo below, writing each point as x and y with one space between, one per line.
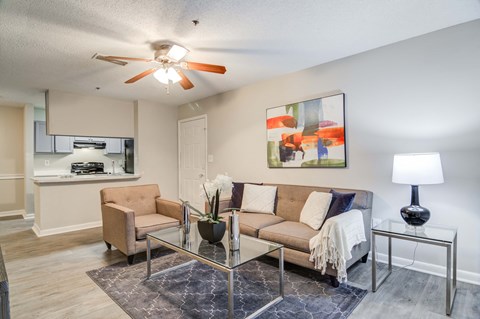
376 221
47 163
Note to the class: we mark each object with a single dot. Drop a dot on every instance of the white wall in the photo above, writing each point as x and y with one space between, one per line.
418 95
87 115
11 160
156 146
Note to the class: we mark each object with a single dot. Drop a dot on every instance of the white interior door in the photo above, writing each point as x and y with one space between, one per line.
192 147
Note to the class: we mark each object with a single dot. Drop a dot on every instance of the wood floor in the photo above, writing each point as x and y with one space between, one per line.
47 280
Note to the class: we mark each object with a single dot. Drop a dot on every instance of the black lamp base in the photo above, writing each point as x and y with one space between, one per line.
415 215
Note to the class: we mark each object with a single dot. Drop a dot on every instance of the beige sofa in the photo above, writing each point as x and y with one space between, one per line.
129 213
284 227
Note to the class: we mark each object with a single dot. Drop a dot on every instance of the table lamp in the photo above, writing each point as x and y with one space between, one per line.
416 169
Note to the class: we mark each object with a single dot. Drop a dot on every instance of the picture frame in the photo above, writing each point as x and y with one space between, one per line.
307 134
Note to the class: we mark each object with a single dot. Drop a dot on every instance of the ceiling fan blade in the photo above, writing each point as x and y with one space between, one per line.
185 82
204 67
104 58
141 75
112 57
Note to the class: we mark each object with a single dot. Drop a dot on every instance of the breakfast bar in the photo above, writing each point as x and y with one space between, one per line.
71 202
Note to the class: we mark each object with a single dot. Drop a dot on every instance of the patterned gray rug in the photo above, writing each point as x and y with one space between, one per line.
199 291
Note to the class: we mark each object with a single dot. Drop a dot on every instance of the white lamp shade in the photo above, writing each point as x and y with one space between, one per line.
176 52
173 75
417 169
161 75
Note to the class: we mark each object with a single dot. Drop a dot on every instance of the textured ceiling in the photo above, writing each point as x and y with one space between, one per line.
48 44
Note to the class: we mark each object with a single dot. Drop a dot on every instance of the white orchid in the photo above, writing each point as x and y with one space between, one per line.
211 191
222 183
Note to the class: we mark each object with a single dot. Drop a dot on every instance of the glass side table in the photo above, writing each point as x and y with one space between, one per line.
427 234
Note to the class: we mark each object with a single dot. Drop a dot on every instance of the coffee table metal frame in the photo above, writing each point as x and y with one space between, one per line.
386 230
223 268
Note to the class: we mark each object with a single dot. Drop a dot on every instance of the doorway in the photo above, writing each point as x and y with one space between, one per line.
192 159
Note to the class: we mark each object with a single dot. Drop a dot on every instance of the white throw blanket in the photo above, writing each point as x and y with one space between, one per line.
334 242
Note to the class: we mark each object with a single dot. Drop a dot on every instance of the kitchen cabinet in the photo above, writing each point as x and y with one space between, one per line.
43 142
63 144
113 146
49 143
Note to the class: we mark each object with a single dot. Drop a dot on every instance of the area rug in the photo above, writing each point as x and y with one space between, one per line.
199 291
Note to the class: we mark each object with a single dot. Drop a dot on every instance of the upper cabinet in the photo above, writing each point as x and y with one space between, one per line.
63 144
43 142
51 144
114 146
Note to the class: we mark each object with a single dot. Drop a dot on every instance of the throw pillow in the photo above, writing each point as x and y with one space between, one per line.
259 199
237 193
341 202
315 209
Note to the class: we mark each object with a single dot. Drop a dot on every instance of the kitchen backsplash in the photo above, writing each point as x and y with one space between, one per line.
59 164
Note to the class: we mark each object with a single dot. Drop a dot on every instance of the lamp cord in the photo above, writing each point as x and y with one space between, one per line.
395 270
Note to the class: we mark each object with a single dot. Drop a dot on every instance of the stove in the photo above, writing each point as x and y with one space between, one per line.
88 168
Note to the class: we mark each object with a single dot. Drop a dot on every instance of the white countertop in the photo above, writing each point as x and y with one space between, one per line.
59 179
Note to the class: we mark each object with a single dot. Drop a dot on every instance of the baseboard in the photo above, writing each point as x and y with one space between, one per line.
20 212
60 230
28 216
462 275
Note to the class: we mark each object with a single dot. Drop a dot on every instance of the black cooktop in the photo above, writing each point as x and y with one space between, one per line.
85 168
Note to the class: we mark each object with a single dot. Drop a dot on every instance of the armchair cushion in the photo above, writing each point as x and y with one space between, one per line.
152 222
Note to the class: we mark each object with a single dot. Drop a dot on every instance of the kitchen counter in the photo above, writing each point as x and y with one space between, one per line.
64 204
63 179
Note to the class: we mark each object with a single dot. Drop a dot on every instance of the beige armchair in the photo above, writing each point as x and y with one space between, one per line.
129 213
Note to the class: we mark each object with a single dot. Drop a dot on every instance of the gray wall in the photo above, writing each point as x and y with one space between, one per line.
418 95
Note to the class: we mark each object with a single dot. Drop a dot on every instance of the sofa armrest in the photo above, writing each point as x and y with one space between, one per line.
169 208
119 227
362 248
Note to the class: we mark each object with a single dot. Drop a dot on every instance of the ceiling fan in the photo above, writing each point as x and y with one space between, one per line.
167 65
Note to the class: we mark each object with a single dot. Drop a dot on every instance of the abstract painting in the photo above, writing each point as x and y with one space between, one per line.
307 134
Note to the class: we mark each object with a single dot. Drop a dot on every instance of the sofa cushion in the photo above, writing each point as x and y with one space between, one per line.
237 193
293 235
259 199
341 202
315 209
251 223
152 222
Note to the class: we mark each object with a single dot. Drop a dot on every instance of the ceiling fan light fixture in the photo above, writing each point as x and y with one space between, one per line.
164 75
173 75
176 52
161 75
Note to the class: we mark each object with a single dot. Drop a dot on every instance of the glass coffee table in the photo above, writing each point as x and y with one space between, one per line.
194 246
